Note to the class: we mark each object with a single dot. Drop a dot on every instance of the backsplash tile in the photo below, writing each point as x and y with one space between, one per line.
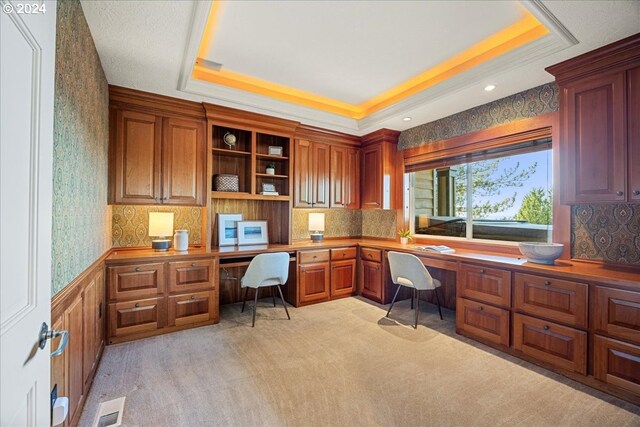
337 223
130 224
609 233
379 223
81 222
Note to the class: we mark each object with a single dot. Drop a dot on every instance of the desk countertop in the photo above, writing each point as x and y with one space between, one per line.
573 270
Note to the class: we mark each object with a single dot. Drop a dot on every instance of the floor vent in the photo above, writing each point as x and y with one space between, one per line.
110 413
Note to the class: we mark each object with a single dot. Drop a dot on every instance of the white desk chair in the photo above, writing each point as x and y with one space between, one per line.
407 270
266 270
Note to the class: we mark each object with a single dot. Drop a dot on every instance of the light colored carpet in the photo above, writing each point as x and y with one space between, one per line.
340 363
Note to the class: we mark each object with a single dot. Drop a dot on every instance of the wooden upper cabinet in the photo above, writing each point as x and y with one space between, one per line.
371 197
302 175
137 158
183 162
598 122
345 178
595 139
320 163
633 132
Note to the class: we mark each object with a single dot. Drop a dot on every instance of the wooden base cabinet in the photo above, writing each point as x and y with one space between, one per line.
482 320
133 317
490 285
372 274
617 363
325 274
191 308
549 342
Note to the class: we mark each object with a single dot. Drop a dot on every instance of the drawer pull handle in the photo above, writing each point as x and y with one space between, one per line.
193 297
315 256
636 192
137 305
482 271
545 327
547 283
619 193
481 308
193 264
137 268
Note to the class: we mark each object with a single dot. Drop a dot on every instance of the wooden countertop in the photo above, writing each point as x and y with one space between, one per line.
573 270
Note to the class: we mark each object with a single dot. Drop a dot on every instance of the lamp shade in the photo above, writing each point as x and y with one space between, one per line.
316 222
160 224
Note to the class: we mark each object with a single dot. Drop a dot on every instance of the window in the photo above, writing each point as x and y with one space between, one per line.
502 195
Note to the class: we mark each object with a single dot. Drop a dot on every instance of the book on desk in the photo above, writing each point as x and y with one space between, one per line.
437 248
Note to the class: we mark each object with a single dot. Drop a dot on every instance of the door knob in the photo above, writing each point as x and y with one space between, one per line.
46 334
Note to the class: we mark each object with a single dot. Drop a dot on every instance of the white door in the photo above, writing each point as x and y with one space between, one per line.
27 71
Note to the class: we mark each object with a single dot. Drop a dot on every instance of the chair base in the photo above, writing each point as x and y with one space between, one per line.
415 293
255 302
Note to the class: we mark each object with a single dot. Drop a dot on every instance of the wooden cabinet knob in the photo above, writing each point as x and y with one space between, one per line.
137 304
193 264
545 327
547 283
137 268
193 297
619 193
482 271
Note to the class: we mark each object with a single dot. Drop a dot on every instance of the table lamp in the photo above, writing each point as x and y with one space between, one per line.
316 226
160 226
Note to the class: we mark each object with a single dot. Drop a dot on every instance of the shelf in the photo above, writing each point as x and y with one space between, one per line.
233 153
267 156
247 196
266 175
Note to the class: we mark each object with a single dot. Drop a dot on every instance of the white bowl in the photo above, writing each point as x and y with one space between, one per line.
541 253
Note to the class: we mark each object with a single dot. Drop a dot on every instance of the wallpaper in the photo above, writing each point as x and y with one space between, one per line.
529 103
81 218
130 225
609 233
347 223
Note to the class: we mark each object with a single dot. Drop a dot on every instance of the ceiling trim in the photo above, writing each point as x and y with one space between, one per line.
199 17
516 35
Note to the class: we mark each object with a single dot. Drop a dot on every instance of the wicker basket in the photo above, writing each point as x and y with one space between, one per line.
225 182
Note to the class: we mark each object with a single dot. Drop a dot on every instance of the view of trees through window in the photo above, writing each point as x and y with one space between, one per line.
510 199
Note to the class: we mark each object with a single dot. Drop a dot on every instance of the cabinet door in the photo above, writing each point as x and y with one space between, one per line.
371 172
595 140
183 162
338 179
137 316
91 324
616 312
73 322
372 280
549 342
555 299
352 178
136 281
320 163
313 282
137 158
189 276
483 321
302 189
633 129
190 308
617 363
490 285
343 276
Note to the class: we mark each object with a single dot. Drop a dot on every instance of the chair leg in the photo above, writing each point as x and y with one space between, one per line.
273 294
415 326
284 304
255 308
413 294
435 290
393 300
244 300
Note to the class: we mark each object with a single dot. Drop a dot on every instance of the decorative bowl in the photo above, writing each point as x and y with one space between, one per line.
541 253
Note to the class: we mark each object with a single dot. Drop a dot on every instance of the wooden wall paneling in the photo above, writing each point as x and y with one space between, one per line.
229 282
73 322
276 213
137 158
633 132
183 162
91 325
58 363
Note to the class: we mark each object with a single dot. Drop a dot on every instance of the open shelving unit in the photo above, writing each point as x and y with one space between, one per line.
248 159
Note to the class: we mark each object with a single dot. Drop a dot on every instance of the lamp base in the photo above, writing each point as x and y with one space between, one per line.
316 238
161 245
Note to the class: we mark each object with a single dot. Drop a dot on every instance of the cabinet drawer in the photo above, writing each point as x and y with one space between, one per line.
343 253
490 285
554 299
549 342
305 257
136 316
483 320
617 313
617 363
136 281
343 277
190 308
371 254
188 276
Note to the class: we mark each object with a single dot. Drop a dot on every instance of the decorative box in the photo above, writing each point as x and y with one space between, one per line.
225 182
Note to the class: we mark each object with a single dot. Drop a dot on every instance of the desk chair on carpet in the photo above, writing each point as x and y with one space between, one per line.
266 270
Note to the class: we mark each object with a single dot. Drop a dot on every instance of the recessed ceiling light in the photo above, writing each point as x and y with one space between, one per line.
489 88
407 119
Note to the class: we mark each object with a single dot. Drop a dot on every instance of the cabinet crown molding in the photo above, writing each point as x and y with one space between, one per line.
381 135
126 98
232 117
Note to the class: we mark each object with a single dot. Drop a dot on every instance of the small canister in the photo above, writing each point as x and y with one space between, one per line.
181 240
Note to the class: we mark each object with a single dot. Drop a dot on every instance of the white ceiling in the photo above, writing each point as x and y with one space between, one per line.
321 48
